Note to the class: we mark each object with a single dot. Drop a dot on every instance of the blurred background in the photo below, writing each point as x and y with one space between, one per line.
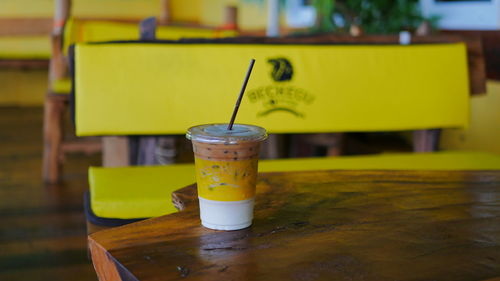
43 234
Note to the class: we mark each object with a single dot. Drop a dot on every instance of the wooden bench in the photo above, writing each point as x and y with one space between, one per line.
68 30
162 88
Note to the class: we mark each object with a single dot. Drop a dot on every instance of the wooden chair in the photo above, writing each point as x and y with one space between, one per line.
23 41
24 55
68 31
326 87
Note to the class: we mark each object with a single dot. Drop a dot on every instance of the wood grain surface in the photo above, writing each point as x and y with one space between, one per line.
327 225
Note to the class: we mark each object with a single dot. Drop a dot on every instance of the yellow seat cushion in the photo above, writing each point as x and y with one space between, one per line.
25 47
145 191
61 86
136 192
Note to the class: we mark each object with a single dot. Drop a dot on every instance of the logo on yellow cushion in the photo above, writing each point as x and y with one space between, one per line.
281 96
282 69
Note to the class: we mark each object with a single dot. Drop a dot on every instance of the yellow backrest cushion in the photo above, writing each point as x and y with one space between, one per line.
134 88
80 31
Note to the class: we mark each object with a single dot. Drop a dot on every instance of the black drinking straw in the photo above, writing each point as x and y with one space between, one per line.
238 101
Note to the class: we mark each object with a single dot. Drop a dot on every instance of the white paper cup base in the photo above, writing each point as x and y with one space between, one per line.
226 215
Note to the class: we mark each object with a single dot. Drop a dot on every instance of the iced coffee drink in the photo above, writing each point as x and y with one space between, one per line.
226 173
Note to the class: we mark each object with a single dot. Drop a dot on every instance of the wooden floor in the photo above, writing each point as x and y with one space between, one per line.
42 229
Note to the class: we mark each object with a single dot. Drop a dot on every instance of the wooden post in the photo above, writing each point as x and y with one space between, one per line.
165 16
115 151
52 137
58 64
55 104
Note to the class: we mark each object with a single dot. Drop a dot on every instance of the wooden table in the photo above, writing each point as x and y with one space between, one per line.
328 225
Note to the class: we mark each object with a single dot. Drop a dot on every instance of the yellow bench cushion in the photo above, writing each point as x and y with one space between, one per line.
293 89
25 47
61 86
145 191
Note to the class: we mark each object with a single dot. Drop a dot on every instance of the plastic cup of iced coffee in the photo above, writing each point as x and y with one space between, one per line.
226 173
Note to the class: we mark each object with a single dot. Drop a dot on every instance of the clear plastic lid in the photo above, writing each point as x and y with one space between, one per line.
218 133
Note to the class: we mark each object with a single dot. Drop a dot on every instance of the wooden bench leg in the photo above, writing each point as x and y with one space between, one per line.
332 141
115 151
426 140
53 132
